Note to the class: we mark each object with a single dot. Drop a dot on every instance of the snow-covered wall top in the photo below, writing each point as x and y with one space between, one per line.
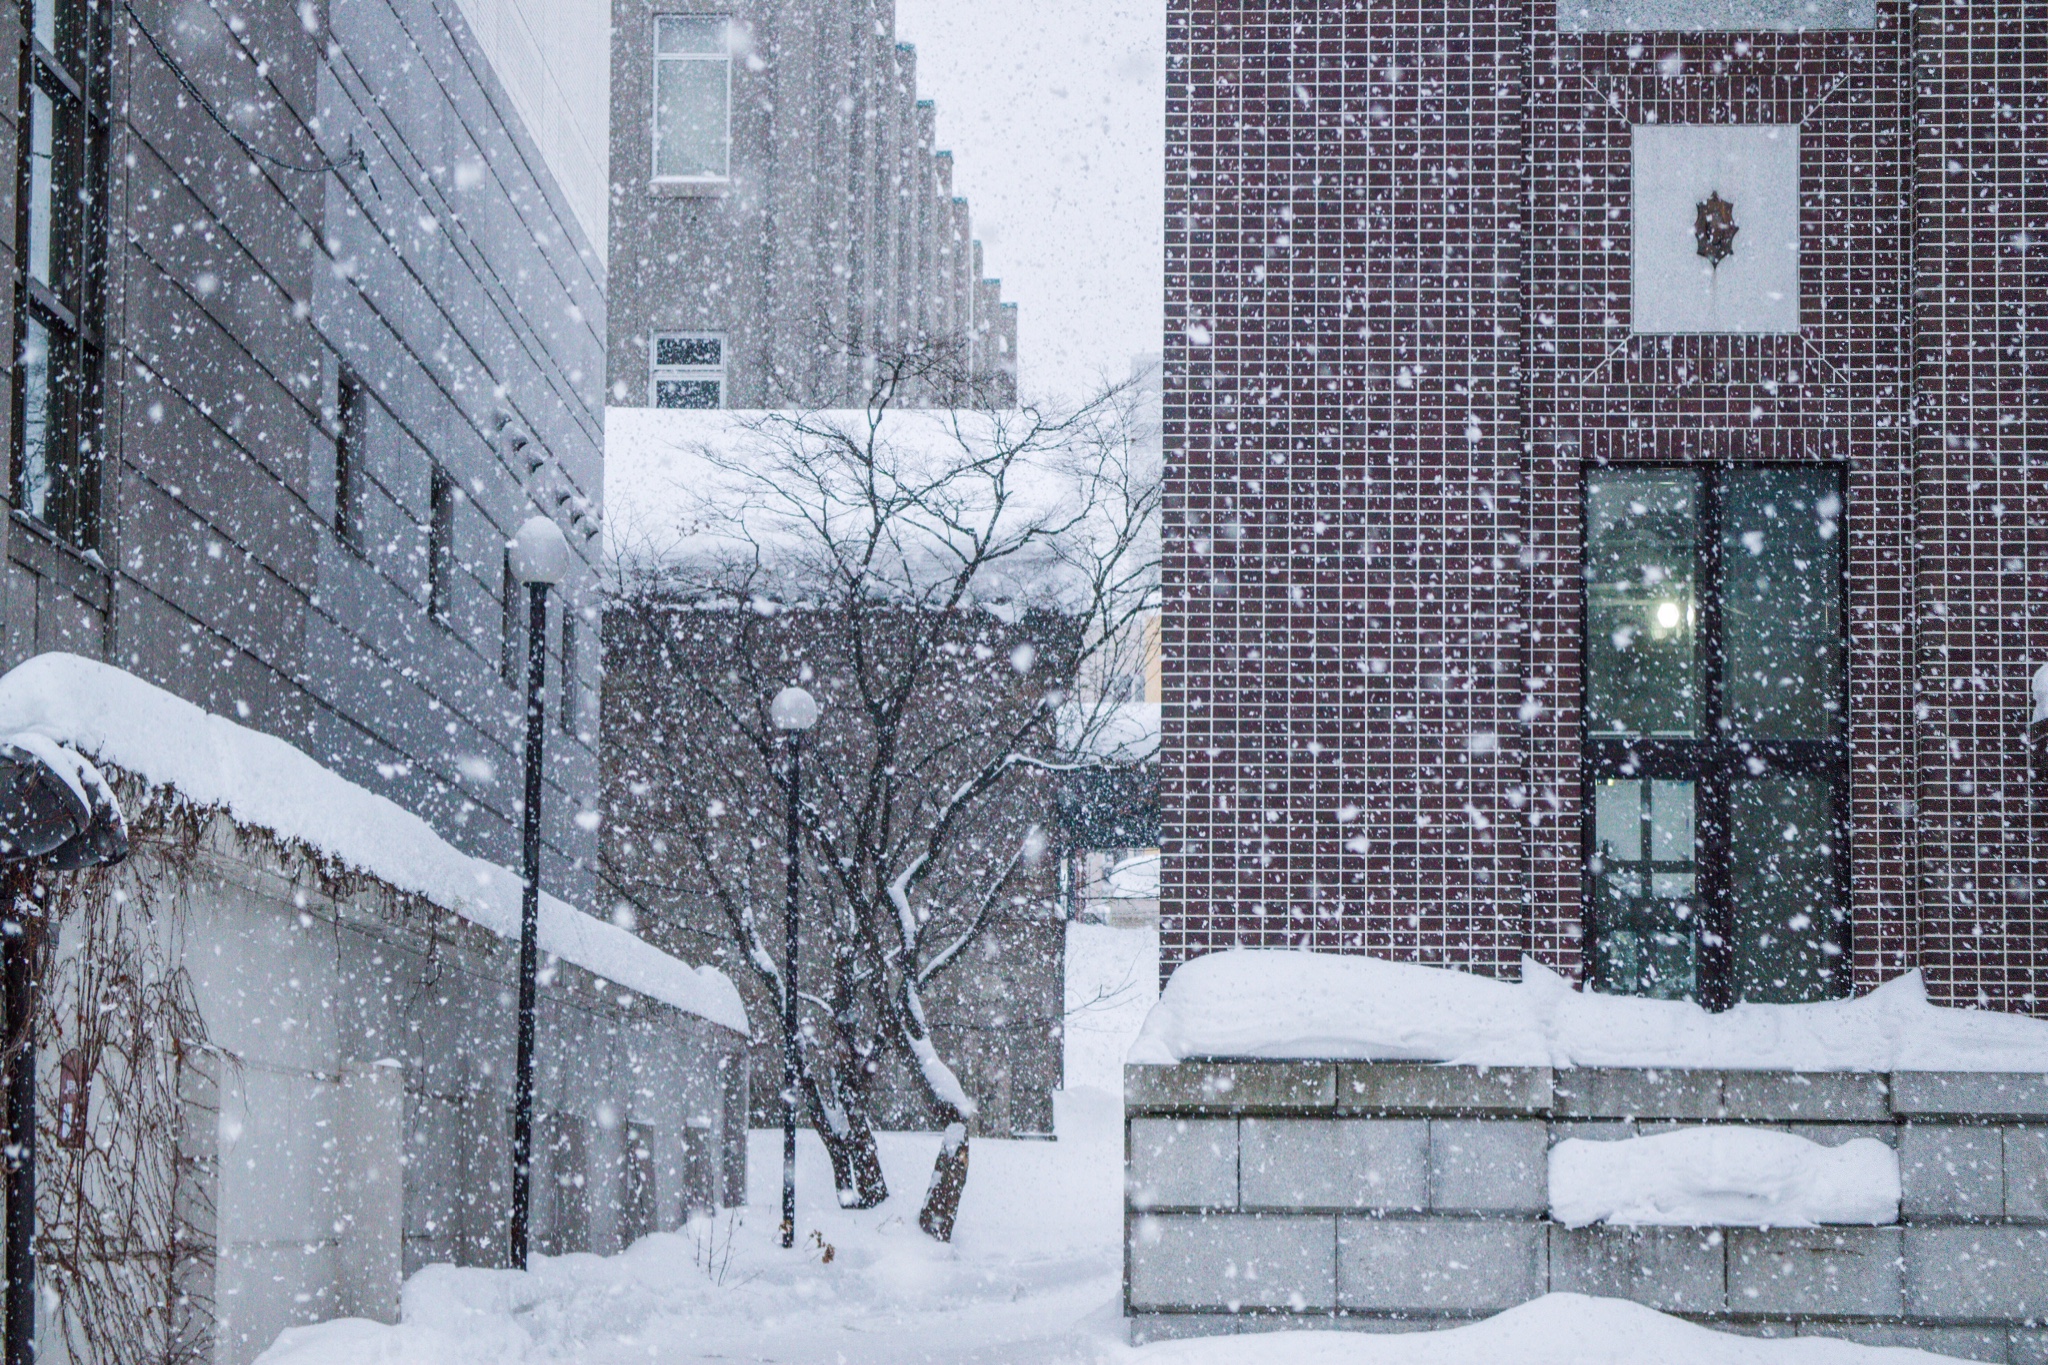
1267 1004
262 782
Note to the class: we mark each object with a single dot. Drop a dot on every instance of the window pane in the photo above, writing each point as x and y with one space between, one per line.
688 350
38 422
60 26
693 33
1642 670
1643 908
1781 613
1787 911
41 186
690 118
686 393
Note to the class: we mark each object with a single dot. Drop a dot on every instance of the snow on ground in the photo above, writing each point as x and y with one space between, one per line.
1258 1003
1032 1275
1723 1177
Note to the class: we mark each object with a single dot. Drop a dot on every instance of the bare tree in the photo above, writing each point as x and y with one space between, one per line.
944 578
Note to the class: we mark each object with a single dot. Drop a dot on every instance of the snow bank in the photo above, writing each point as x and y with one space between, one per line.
1258 1003
116 718
1557 1329
1723 1177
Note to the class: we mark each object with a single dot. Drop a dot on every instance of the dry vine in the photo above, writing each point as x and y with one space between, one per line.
125 1217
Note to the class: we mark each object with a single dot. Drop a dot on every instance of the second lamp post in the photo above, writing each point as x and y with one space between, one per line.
539 557
793 712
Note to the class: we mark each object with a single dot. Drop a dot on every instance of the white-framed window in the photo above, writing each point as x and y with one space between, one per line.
692 97
689 370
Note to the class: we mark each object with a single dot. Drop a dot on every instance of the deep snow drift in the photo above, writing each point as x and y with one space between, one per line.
1723 1177
1272 1004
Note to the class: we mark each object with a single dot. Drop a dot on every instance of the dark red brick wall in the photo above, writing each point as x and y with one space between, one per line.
1397 332
1980 496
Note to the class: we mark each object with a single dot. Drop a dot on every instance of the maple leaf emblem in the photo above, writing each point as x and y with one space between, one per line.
1714 229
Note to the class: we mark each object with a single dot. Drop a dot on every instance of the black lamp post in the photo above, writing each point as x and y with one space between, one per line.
540 558
793 711
56 811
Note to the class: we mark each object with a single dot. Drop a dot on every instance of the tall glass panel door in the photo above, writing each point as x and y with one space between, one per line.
1715 751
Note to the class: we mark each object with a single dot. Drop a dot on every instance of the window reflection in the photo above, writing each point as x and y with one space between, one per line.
1645 876
1642 624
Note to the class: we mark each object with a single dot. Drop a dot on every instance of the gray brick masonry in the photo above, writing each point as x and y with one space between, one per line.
1440 1264
1835 1271
1334 1163
1421 1088
1951 1172
1677 1270
1183 1163
1233 1262
1488 1166
1375 1196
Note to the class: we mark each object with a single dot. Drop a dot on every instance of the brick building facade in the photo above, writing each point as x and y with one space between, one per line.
1411 342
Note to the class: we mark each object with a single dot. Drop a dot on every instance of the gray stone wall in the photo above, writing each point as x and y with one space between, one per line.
419 239
836 235
1405 1196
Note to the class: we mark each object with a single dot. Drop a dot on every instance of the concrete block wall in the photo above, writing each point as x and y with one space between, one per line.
1404 1196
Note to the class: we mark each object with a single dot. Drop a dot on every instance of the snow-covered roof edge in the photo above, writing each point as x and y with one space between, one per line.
266 783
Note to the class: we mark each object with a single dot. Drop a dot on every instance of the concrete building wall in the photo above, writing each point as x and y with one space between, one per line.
829 241
420 239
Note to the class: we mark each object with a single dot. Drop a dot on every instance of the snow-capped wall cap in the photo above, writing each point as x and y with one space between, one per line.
261 781
1723 1176
1259 1003
2041 693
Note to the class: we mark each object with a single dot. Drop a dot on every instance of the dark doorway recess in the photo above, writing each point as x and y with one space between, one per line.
1716 734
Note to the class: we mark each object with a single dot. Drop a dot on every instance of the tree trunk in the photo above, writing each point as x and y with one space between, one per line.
949 1182
841 1120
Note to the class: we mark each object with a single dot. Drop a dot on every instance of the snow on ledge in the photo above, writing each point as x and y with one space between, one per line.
1723 1177
261 781
1256 1003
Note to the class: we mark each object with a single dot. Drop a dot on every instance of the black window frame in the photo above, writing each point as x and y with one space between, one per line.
1721 755
351 427
443 494
71 314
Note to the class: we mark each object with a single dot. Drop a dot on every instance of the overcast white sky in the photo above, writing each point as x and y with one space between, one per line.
1055 114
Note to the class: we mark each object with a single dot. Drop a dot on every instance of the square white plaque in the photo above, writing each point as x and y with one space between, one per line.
1755 169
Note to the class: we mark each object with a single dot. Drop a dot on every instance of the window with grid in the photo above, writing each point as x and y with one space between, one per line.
60 278
689 370
1716 752
692 97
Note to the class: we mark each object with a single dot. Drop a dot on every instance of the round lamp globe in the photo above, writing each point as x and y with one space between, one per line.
540 552
793 709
